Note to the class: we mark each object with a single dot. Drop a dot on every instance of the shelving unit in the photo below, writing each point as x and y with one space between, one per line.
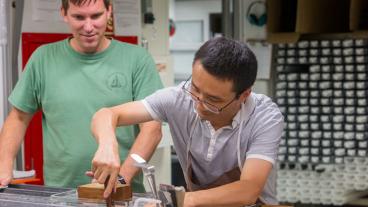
320 79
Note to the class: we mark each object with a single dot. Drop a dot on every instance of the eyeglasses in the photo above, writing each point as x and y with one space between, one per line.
210 107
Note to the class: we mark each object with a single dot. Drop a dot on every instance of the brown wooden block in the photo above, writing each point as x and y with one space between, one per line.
95 191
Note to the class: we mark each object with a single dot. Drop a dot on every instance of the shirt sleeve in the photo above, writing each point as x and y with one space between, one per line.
25 96
267 132
146 79
161 103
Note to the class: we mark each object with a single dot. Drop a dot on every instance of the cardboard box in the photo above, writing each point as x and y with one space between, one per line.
289 19
322 16
281 21
359 16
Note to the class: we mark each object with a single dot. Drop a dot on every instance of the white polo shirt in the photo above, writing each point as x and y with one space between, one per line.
255 132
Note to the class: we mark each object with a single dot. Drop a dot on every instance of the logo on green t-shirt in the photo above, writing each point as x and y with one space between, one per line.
116 80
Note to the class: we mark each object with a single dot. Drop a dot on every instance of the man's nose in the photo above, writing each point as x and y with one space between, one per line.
198 100
200 105
88 26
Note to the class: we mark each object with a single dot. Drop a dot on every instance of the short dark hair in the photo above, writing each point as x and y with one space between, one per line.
65 3
229 59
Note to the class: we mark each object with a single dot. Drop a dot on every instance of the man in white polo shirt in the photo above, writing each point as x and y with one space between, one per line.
226 137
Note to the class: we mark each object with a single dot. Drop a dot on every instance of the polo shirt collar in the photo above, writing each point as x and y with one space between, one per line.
245 111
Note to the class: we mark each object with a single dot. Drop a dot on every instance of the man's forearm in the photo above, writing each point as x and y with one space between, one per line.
9 146
12 134
145 145
103 126
238 193
11 137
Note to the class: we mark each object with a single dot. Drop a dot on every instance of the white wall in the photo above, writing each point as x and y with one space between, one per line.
53 24
3 54
6 19
157 35
195 10
183 52
46 26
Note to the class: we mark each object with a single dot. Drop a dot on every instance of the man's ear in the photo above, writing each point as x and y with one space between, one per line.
244 95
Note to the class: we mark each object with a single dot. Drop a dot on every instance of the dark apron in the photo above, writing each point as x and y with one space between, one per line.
193 183
228 177
191 180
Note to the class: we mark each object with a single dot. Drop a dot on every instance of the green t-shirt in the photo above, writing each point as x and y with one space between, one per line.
70 87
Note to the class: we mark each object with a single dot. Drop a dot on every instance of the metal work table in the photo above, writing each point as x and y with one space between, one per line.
29 195
35 195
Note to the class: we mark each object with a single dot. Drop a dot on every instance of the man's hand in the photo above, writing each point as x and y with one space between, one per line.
106 162
6 175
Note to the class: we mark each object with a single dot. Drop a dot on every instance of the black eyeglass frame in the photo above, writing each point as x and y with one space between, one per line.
209 106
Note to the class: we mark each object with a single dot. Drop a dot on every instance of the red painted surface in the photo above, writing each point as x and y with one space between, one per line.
33 148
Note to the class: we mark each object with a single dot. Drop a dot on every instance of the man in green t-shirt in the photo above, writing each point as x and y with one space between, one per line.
69 81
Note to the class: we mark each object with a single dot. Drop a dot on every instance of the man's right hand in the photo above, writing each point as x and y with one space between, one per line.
6 175
106 163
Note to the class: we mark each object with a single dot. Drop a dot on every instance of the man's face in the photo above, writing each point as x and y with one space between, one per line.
214 91
88 24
